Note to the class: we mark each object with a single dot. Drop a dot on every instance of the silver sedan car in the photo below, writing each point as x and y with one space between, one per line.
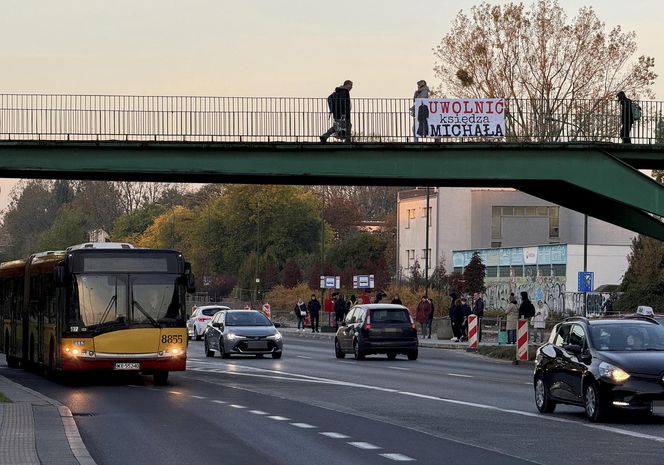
247 332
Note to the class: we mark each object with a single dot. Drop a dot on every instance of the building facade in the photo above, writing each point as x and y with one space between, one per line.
501 223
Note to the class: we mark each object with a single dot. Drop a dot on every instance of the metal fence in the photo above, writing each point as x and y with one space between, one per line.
285 119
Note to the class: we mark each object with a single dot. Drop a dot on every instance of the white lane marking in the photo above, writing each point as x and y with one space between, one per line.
459 375
237 406
400 368
175 392
278 418
304 356
303 425
219 401
199 397
257 412
333 435
364 445
398 457
314 379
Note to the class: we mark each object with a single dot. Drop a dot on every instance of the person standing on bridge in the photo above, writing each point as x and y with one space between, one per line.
420 116
339 104
626 117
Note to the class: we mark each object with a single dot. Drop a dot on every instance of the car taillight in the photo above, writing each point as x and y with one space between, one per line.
366 326
203 318
367 322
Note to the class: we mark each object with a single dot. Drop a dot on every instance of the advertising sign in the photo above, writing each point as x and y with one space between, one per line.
441 117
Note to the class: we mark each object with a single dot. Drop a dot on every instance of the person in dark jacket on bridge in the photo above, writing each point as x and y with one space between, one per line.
626 117
339 103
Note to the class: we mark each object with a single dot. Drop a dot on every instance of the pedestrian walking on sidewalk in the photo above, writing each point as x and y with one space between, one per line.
313 307
339 106
511 317
300 313
422 314
430 320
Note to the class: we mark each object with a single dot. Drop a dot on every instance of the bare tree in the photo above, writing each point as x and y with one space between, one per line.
552 70
133 195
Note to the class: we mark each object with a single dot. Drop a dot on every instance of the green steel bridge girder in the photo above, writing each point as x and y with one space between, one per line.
589 178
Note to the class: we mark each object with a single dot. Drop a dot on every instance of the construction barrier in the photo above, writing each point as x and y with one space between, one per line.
522 341
472 332
267 311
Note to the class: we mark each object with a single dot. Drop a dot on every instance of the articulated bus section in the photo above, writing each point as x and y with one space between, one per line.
96 307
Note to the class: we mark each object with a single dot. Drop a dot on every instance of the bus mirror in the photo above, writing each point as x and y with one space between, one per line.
59 275
191 283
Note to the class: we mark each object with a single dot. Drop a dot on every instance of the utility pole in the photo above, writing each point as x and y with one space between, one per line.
426 249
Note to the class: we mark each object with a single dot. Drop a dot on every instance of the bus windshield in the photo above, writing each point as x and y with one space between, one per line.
107 302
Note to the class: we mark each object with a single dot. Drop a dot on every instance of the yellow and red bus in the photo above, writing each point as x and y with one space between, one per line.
97 306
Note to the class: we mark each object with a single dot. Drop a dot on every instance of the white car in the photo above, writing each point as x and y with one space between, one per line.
199 319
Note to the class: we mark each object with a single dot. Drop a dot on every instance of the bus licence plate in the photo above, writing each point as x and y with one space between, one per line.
127 366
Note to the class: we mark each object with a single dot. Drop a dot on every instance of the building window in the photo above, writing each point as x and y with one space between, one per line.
424 257
409 215
496 245
430 222
496 223
410 256
554 221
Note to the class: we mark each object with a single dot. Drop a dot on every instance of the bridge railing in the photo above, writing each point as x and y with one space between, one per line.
286 119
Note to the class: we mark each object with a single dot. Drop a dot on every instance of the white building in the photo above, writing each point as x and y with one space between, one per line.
502 223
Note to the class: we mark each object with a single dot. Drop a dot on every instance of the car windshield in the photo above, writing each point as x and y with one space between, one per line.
390 315
210 311
627 337
247 318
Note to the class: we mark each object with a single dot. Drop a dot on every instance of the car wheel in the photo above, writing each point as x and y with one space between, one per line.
412 355
276 354
208 352
542 400
337 350
595 411
160 377
359 355
221 349
391 355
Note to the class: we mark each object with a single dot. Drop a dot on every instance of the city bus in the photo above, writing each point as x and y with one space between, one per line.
97 306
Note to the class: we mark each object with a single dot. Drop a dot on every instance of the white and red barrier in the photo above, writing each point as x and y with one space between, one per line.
472 332
522 340
266 310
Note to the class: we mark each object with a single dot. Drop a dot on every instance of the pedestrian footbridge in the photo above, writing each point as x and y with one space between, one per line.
568 153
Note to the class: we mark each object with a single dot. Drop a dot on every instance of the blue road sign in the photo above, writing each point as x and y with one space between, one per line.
586 281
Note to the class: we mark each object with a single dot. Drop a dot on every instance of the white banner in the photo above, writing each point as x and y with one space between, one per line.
474 117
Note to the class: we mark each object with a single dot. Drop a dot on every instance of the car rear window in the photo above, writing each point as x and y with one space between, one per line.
396 315
210 311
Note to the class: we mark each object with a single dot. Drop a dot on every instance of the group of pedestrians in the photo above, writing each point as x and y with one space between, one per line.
526 310
339 107
459 312
311 310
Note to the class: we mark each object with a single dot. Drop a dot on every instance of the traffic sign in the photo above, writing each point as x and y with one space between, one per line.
330 282
363 281
586 281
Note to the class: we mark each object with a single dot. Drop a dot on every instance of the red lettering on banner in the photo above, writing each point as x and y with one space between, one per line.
456 107
500 107
479 106
433 106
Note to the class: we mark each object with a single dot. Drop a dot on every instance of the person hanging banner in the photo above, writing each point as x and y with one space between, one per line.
473 117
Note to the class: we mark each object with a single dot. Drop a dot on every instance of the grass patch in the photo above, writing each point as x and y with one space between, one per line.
504 352
4 398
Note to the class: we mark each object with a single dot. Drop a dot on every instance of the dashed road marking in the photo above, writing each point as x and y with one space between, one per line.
364 445
278 418
333 435
459 375
219 401
398 457
237 406
257 412
175 392
400 368
304 356
199 397
303 425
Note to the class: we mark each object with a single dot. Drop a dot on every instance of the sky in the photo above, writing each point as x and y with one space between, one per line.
249 48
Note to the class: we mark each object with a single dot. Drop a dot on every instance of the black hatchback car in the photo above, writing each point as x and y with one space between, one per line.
602 365
377 329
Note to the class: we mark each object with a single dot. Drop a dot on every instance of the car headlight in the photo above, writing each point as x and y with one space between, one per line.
613 373
275 337
233 337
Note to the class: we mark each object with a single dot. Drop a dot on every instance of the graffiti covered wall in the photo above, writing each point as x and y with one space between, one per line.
550 289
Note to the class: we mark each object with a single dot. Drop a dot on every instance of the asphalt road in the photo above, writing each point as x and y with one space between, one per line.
308 407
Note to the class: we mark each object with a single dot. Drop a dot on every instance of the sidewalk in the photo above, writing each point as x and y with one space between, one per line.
36 430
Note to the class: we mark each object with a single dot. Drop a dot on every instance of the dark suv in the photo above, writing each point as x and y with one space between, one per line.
377 329
602 365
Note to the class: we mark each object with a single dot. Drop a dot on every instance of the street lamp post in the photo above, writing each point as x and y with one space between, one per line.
426 249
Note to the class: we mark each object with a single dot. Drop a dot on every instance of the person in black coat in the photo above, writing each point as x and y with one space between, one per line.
456 317
339 308
466 311
313 307
339 103
626 117
396 300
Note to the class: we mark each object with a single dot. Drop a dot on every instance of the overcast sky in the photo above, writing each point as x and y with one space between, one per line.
249 47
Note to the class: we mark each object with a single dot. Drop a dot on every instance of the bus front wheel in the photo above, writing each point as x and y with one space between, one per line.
160 378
